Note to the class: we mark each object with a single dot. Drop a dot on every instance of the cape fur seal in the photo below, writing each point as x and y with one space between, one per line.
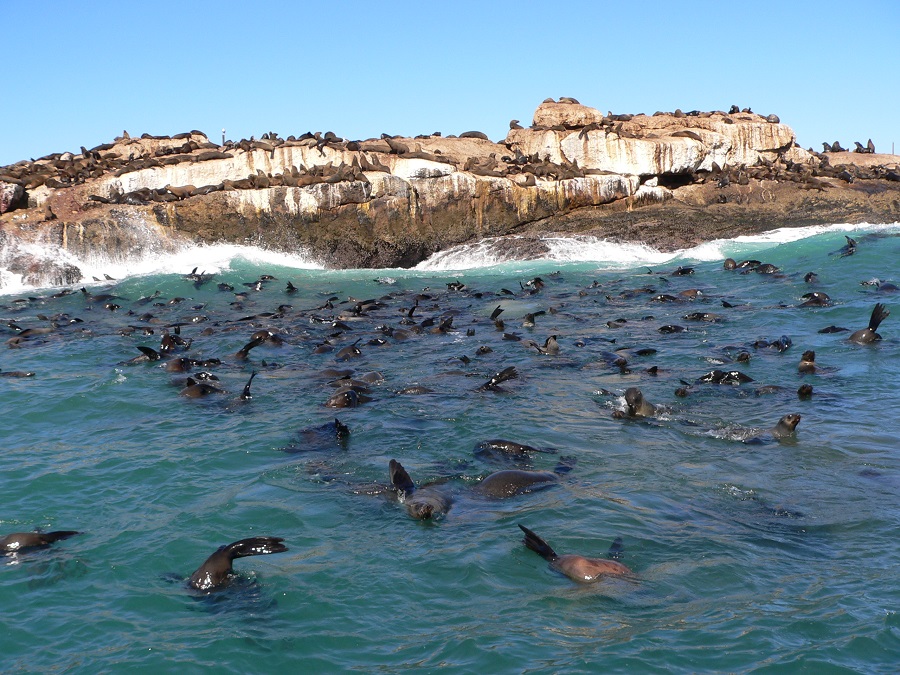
786 426
868 334
423 503
217 571
498 448
511 482
18 542
576 567
635 405
783 429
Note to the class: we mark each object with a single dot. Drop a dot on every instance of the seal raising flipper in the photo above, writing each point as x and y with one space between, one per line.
509 373
868 334
246 395
576 567
217 570
23 541
400 479
538 545
423 503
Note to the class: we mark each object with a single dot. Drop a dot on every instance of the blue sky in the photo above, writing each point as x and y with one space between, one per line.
79 73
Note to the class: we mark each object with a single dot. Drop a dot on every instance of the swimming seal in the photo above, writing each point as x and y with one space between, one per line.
786 426
868 334
509 373
734 377
636 404
513 482
323 437
498 448
19 542
807 362
217 571
424 503
576 567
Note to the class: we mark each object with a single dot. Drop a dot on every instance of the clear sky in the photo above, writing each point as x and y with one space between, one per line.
79 73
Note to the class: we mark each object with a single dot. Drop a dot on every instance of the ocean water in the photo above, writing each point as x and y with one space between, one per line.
777 556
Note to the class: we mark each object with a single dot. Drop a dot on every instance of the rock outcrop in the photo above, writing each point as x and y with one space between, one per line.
668 179
10 195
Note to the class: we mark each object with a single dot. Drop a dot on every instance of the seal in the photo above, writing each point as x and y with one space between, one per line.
323 437
346 397
807 362
868 334
577 567
637 405
508 373
424 503
717 376
511 482
20 542
816 299
786 426
217 572
498 448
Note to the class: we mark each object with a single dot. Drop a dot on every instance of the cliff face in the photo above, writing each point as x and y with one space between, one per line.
391 202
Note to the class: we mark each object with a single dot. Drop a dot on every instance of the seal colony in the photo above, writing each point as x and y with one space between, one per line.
391 201
210 351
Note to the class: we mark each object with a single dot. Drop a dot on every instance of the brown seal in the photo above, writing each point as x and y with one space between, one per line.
576 567
423 503
868 334
217 571
513 482
786 426
19 542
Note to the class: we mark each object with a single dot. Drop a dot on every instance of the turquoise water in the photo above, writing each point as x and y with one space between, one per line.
772 557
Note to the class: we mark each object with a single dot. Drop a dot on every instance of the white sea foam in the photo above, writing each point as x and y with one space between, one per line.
208 258
612 255
488 253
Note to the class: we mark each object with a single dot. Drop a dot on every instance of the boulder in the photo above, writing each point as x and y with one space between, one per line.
569 115
10 196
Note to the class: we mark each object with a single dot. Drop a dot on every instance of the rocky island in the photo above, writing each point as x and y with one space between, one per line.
670 180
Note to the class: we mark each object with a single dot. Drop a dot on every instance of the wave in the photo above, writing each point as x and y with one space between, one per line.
494 254
209 258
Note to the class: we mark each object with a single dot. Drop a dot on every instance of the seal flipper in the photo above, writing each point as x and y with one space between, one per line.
242 353
538 545
879 314
255 546
150 353
400 478
245 395
217 568
508 373
341 430
616 549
